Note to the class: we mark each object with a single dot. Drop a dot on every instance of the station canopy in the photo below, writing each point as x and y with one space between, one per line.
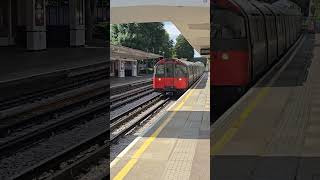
129 54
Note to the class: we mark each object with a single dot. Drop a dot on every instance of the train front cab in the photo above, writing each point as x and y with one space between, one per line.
170 77
230 66
230 53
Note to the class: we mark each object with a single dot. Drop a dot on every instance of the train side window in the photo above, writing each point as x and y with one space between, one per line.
280 26
266 24
227 25
271 27
189 71
258 30
255 29
252 29
274 27
261 30
169 70
284 30
277 25
181 71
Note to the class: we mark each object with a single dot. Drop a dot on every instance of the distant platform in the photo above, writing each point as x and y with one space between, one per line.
18 63
117 81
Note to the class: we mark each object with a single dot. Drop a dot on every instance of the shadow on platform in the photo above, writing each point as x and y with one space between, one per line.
264 167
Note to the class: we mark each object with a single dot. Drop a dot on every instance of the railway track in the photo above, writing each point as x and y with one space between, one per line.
50 108
118 89
70 163
70 79
40 119
44 122
129 96
29 123
128 118
60 137
90 151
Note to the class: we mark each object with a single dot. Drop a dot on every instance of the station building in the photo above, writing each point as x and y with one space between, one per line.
125 61
38 24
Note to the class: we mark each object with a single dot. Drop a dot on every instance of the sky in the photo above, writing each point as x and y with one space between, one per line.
174 33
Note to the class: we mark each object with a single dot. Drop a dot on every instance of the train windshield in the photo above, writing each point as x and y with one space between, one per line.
181 71
227 25
159 70
169 70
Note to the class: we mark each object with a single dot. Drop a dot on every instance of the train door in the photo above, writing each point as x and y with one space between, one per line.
281 36
294 29
190 75
265 31
259 61
230 53
273 39
286 31
169 74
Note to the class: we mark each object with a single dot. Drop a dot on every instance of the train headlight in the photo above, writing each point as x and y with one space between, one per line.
225 56
159 79
180 79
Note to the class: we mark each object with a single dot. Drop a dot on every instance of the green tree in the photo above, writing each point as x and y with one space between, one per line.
183 49
149 37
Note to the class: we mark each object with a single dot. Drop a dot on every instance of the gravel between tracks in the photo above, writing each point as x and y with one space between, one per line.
56 143
97 172
133 104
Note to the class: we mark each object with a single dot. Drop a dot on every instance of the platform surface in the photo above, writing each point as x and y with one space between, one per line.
273 132
176 147
18 63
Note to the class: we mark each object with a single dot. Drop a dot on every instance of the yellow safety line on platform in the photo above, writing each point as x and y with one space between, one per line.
125 170
227 136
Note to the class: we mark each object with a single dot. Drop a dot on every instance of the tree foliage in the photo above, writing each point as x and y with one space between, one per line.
149 37
183 49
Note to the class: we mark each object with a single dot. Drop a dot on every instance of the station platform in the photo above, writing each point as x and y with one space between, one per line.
273 131
117 81
176 146
17 63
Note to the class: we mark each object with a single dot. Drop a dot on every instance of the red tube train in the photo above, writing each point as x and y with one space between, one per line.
247 38
174 76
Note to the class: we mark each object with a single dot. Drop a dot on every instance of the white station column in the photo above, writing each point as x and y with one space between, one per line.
134 68
77 22
121 69
36 25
